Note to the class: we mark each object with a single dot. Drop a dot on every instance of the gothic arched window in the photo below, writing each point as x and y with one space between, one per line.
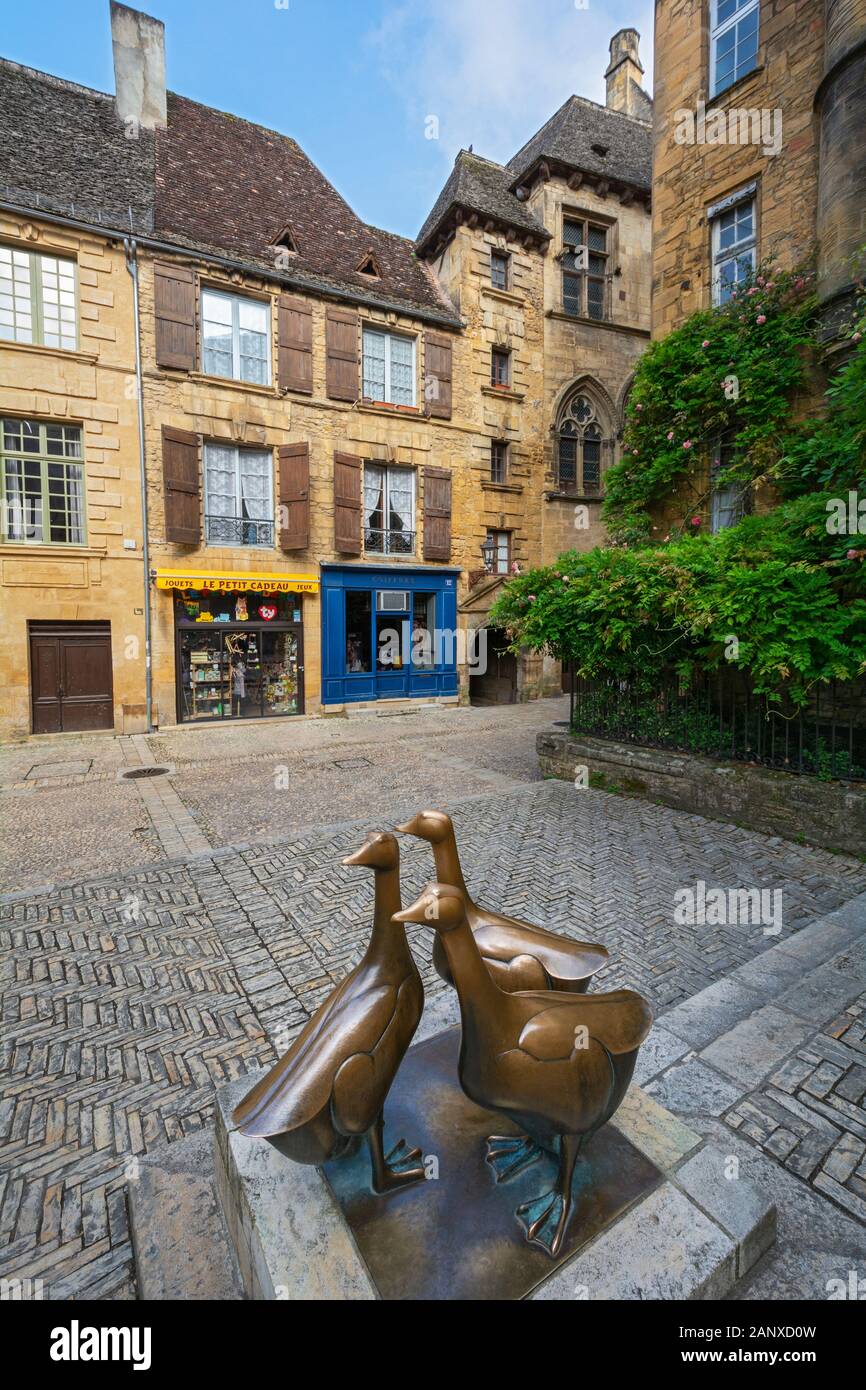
579 445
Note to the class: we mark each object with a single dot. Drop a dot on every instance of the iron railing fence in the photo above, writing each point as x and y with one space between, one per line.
379 542
719 715
238 530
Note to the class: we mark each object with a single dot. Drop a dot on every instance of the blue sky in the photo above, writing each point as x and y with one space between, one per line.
354 81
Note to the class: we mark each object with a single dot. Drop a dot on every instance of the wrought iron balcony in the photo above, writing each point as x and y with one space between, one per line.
238 530
378 542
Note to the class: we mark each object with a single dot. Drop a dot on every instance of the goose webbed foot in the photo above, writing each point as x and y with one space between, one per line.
509 1154
401 1167
545 1220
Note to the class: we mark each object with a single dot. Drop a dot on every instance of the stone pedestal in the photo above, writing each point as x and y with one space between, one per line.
660 1214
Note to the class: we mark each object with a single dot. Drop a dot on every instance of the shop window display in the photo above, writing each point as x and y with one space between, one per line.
239 655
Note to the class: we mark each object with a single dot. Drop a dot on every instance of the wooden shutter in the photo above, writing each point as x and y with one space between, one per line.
295 351
294 496
437 514
437 375
180 477
174 306
347 504
341 354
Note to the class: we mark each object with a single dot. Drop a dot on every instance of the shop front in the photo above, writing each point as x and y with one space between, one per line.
388 633
239 650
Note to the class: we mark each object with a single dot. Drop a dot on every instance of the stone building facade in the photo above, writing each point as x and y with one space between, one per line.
346 436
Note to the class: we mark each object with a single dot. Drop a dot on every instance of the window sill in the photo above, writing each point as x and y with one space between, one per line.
34 550
387 408
386 558
506 296
489 486
556 495
67 354
504 393
245 386
563 317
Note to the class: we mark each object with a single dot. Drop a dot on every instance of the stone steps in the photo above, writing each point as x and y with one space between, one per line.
182 1248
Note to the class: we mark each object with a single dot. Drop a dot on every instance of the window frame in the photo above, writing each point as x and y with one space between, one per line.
494 533
569 427
585 276
504 460
237 450
373 330
505 355
36 295
236 300
44 459
749 244
387 531
505 257
717 30
717 505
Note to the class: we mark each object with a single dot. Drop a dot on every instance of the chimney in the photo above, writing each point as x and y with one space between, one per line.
624 72
138 44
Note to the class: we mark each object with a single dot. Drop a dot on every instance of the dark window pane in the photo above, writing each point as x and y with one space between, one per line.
567 463
358 630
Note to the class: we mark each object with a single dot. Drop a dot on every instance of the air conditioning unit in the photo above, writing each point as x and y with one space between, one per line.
392 600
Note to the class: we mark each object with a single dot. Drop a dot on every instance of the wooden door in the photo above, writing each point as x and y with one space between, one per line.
71 677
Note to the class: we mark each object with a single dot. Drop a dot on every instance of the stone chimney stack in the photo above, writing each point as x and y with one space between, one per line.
624 72
138 45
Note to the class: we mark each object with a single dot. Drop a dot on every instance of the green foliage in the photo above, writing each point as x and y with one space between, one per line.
727 373
781 595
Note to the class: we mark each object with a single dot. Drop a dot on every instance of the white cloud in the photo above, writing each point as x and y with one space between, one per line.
493 71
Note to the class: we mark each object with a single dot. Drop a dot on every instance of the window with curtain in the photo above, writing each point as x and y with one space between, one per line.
234 337
501 555
579 444
733 41
389 509
42 483
37 299
389 368
238 492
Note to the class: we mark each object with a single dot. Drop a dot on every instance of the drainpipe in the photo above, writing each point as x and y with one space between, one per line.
130 250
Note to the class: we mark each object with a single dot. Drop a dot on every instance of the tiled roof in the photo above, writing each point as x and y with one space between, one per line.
227 185
63 148
211 182
483 187
572 132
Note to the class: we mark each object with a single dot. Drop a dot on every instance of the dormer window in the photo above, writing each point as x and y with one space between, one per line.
368 265
285 241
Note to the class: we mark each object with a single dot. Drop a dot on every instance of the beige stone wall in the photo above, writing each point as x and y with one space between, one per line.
93 387
688 178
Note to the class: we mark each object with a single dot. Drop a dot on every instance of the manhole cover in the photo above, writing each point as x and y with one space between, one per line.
145 772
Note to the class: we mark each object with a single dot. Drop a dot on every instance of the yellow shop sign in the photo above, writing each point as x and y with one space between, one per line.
235 582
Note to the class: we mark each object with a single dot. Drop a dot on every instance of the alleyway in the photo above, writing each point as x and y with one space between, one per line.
156 943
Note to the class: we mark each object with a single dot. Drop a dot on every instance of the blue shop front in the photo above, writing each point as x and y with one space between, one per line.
388 633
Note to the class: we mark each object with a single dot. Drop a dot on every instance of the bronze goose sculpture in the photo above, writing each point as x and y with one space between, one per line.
517 954
556 1064
330 1087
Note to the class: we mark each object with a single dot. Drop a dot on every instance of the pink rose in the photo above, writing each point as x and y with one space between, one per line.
760 279
687 443
634 451
705 343
696 521
855 337
670 434
852 555
762 318
531 598
638 406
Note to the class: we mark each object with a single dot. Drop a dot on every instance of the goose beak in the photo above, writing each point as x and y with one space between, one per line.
359 857
418 912
411 827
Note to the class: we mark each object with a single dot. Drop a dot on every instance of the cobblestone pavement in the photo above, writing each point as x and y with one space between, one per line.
65 814
128 997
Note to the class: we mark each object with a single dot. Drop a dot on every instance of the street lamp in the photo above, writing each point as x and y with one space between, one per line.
488 550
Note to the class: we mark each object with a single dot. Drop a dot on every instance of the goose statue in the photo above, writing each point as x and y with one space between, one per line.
517 954
555 1064
330 1087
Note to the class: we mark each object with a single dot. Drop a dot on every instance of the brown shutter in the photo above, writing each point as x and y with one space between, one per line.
437 375
174 306
295 355
180 476
347 504
294 496
341 354
437 514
